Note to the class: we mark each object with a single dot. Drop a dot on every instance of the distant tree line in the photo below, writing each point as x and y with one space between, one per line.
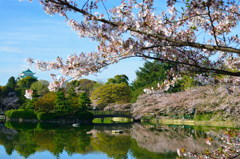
84 94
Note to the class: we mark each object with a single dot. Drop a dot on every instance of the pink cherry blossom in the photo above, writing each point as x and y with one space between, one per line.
197 35
28 93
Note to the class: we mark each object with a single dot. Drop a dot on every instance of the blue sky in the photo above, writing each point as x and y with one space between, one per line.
27 31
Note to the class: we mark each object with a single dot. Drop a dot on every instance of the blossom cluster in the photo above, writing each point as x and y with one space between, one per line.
28 93
141 29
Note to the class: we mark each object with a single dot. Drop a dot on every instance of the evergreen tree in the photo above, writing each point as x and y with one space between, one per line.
11 85
84 101
61 103
150 74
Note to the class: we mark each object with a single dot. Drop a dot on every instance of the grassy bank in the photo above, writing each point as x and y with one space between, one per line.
195 123
111 120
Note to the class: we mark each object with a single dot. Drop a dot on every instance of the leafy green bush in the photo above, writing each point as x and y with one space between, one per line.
8 113
21 114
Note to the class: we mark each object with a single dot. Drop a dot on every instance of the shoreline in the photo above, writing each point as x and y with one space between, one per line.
194 122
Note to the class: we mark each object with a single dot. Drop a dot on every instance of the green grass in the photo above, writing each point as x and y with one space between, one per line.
110 120
105 121
203 117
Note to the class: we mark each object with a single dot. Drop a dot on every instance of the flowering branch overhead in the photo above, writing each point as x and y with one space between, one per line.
199 35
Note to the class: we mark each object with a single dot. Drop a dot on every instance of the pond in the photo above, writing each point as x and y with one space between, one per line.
41 141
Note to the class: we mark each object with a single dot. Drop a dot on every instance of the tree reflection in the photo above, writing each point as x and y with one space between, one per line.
114 146
25 145
140 142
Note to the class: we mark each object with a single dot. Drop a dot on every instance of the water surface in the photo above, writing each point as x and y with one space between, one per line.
41 141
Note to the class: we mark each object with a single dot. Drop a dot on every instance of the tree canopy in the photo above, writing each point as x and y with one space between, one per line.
150 74
111 93
118 79
11 84
40 87
199 36
84 101
26 82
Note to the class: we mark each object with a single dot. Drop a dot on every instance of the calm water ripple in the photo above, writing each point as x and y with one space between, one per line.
44 141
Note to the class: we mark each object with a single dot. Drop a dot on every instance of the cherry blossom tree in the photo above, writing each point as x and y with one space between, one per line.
197 35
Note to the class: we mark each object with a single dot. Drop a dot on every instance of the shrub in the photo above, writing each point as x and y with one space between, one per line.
8 113
21 114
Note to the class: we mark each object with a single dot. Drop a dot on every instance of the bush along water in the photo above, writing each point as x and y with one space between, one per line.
22 115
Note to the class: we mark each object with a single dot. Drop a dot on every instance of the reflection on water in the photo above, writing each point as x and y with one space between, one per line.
137 141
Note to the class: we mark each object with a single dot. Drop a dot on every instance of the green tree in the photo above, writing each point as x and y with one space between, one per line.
26 82
111 93
25 145
11 84
40 87
29 104
61 103
148 76
183 84
46 102
151 73
118 79
84 101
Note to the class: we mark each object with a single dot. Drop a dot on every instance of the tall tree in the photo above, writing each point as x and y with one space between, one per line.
61 103
84 101
150 74
137 28
11 84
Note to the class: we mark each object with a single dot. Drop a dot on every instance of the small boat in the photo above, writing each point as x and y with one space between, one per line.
117 131
76 125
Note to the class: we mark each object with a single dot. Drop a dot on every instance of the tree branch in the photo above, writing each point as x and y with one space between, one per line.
203 69
157 36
